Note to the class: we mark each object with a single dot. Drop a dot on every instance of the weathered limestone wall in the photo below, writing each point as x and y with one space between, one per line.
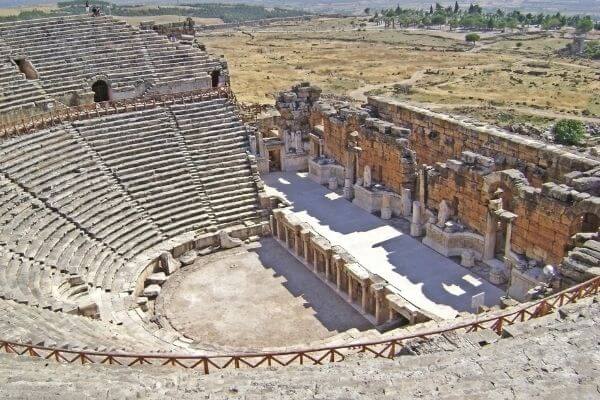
547 217
438 137
469 186
383 146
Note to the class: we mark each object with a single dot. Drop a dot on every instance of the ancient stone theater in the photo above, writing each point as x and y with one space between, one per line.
157 240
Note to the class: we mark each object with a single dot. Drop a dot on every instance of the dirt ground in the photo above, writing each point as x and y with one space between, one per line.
519 76
255 296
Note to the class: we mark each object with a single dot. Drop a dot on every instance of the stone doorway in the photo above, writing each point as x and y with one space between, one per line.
101 91
274 160
215 77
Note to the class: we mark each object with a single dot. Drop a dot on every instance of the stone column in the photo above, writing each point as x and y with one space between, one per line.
338 277
315 259
507 239
349 176
367 180
350 292
422 187
489 247
298 143
297 243
320 148
365 292
327 267
406 202
386 210
262 151
287 237
378 309
305 245
253 145
273 223
416 228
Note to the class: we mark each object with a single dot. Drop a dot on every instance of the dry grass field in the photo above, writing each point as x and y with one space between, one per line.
506 78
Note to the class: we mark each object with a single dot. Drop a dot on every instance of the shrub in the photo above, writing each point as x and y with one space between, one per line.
569 131
472 38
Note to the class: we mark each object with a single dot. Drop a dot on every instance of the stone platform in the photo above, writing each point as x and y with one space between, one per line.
429 280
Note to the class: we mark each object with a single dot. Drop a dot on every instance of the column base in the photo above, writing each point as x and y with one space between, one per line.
416 230
386 213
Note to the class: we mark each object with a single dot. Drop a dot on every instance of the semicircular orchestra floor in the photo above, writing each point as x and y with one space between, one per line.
252 297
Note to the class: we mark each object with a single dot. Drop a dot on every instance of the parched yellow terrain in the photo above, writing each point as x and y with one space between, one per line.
504 78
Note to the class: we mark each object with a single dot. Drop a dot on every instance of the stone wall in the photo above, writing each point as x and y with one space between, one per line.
487 183
438 137
383 146
547 217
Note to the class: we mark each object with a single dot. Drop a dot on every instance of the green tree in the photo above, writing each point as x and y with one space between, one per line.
585 25
592 49
367 11
456 7
438 19
569 131
472 38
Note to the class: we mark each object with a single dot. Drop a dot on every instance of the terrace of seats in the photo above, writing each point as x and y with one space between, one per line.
82 203
551 357
69 53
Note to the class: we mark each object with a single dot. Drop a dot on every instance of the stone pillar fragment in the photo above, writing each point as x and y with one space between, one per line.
406 202
416 228
386 210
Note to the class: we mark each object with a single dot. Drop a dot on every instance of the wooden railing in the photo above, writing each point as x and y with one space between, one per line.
77 113
388 348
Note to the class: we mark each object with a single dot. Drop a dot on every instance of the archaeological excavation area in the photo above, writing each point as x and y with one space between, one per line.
148 218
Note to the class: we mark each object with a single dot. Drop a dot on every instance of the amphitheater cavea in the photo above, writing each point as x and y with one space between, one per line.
159 239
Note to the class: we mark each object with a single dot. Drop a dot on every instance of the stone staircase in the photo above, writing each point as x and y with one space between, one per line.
216 140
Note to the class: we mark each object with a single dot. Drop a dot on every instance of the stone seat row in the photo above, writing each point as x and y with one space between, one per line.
19 322
207 145
37 285
77 187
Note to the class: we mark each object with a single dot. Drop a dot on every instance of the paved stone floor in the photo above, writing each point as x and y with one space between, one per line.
254 296
423 276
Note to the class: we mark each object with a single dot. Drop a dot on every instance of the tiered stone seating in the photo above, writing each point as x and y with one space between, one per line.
22 323
57 166
38 285
143 151
551 357
68 52
217 142
32 229
16 92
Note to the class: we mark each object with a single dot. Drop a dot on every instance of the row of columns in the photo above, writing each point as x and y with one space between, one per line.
366 292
